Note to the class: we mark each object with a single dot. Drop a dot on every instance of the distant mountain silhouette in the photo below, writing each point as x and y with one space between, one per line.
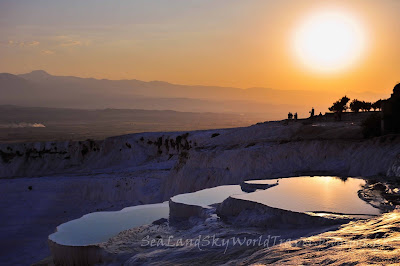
41 89
14 89
36 75
12 80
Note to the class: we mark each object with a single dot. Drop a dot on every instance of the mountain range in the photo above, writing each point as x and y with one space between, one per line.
40 89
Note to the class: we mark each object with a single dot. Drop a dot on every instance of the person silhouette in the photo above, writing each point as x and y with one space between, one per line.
295 116
312 112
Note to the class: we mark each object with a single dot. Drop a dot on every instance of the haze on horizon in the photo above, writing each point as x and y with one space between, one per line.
222 43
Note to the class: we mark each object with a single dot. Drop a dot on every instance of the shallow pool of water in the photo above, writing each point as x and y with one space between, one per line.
97 227
208 196
300 194
262 182
313 194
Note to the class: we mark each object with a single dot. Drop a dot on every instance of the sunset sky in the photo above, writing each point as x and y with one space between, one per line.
235 43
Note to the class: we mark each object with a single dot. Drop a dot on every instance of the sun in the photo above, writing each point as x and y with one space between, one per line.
329 41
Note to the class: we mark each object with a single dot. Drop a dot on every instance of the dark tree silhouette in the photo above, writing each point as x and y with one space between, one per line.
340 106
366 106
377 105
356 105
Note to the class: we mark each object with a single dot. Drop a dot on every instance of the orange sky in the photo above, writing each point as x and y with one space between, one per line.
227 43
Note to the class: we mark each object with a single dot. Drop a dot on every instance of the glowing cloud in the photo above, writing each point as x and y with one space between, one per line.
71 43
47 52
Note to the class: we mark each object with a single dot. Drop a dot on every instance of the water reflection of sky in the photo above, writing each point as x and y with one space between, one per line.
313 194
208 196
301 194
98 227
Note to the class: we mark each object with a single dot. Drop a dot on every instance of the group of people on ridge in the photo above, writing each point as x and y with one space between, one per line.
294 116
291 116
